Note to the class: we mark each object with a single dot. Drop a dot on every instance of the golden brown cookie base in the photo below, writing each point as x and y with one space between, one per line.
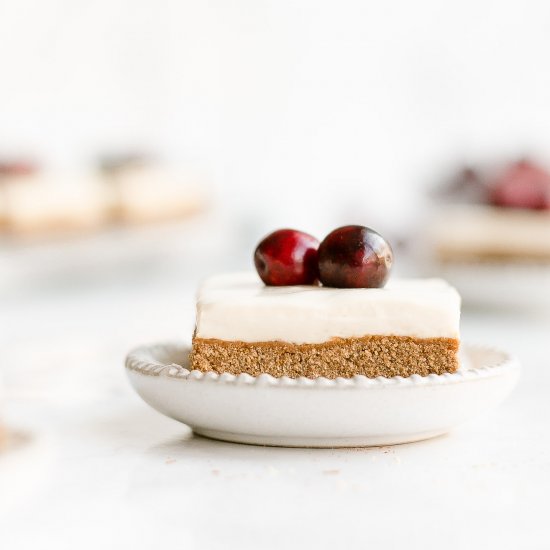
371 356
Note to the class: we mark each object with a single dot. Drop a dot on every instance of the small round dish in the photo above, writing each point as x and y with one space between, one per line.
345 412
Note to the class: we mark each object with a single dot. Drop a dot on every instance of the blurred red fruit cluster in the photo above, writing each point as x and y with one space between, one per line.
523 184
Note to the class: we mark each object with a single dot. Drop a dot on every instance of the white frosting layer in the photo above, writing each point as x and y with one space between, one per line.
239 307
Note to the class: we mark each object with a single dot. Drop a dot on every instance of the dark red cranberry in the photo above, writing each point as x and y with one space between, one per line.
522 185
287 257
354 257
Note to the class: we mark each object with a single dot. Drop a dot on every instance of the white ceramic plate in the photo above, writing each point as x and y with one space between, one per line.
350 412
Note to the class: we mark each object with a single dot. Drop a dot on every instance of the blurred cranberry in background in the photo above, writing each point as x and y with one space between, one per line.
522 185
17 167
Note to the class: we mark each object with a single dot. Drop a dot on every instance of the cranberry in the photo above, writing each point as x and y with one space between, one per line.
17 168
354 257
522 185
287 257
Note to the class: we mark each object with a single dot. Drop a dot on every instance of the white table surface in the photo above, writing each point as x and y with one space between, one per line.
88 465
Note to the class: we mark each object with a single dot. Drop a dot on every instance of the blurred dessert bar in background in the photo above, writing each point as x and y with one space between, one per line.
44 203
143 191
484 233
503 218
126 190
10 170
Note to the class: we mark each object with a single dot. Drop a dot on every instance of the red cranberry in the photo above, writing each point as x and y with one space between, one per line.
17 168
354 257
523 185
287 257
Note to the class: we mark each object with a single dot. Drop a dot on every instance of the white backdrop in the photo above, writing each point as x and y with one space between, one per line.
304 113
